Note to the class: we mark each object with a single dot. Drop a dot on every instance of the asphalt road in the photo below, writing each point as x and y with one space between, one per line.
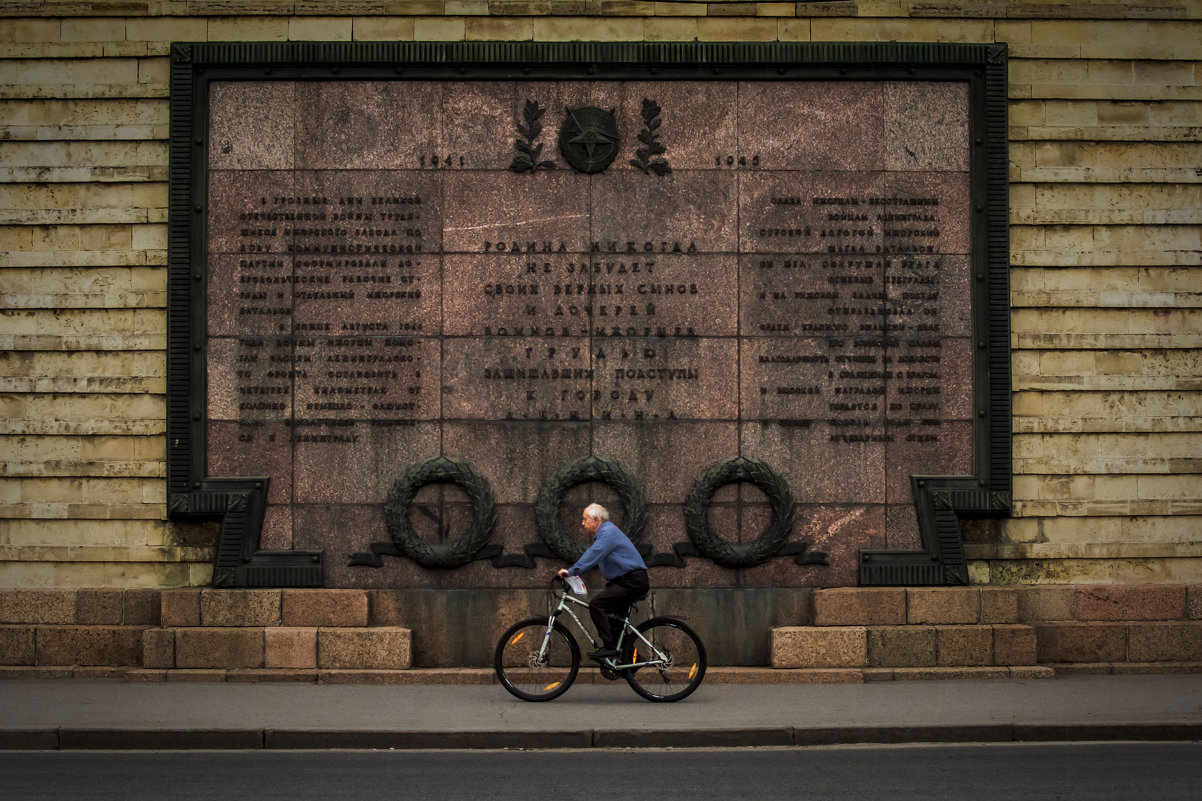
1044 772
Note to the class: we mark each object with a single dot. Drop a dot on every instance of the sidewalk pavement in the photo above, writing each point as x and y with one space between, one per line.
108 714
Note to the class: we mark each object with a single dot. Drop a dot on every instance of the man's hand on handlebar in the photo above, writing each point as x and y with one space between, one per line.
562 572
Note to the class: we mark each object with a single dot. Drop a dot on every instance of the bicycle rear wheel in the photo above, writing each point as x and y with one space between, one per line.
531 671
681 669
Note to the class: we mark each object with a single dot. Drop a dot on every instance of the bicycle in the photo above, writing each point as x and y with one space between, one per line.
537 659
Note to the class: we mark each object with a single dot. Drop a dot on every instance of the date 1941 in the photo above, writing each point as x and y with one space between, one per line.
737 161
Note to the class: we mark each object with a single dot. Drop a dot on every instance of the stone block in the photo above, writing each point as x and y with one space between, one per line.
964 646
98 607
383 29
1131 602
89 645
807 647
240 607
1193 602
17 645
290 647
324 608
1173 641
1081 642
943 605
37 606
248 29
158 648
999 605
853 606
180 607
219 648
587 29
141 607
1014 645
1039 604
377 648
485 29
438 30
901 646
319 29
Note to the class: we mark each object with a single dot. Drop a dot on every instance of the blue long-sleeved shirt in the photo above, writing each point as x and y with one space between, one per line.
612 553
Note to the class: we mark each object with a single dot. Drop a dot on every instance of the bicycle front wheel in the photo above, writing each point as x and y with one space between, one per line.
536 663
677 660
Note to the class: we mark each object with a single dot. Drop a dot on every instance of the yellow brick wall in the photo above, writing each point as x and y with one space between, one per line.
1106 239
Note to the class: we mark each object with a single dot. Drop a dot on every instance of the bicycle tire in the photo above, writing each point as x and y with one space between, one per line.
518 668
683 672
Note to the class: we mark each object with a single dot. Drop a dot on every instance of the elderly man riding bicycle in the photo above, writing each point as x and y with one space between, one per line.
621 566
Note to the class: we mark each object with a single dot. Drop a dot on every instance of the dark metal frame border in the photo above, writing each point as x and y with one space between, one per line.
940 501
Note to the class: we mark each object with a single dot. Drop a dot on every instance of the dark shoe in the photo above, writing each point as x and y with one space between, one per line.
604 653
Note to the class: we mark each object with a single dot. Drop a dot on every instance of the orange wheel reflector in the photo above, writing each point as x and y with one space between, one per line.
550 687
635 658
692 670
521 634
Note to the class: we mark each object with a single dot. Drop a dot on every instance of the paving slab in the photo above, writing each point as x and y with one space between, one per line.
99 713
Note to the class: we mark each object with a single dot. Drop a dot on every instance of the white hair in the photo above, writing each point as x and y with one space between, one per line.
597 512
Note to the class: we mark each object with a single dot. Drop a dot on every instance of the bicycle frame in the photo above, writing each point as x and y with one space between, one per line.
564 605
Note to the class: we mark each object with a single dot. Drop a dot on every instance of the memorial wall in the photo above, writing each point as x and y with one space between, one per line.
157 426
441 316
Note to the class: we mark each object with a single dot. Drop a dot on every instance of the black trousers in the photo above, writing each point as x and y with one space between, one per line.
615 599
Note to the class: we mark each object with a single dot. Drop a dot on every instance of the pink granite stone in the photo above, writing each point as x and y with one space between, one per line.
663 379
394 295
924 213
342 530
929 290
841 532
785 379
519 320
949 454
357 463
851 472
252 125
901 524
476 132
243 384
248 295
926 125
369 124
826 213
500 212
517 378
813 125
697 120
638 214
248 208
1118 602
664 457
515 457
369 213
362 376
98 606
276 531
253 449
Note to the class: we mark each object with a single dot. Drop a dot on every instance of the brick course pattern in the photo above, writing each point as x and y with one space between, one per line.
1105 115
379 646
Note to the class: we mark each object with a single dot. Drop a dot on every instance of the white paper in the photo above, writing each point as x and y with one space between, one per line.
576 584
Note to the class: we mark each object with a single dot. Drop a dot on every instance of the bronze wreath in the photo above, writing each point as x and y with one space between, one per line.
440 471
775 534
581 471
